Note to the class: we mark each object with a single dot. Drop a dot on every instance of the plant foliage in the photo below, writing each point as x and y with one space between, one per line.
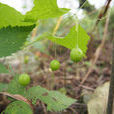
18 107
44 9
9 16
55 100
15 88
14 30
73 39
12 39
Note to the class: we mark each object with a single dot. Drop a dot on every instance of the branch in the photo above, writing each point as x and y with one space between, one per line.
111 89
102 13
98 51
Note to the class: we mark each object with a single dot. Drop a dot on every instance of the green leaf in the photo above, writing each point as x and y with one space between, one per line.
3 87
73 39
9 16
44 9
12 39
15 88
55 100
18 107
3 69
59 101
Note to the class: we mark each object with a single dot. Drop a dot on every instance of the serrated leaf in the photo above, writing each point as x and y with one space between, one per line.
9 16
12 39
3 69
59 101
15 88
73 39
55 100
44 9
18 107
3 87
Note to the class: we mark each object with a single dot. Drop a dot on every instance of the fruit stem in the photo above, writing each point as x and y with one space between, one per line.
52 80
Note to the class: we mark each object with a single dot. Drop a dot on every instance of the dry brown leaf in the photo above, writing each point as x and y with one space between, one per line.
98 103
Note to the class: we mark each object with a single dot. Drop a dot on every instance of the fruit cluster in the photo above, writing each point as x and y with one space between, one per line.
76 55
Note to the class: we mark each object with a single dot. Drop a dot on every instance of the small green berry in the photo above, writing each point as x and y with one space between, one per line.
54 65
76 54
26 59
24 79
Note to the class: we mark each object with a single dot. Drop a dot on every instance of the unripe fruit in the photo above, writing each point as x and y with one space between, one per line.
76 54
54 65
24 79
26 59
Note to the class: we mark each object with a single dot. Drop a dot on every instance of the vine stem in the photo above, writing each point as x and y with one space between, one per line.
111 89
55 30
102 13
77 30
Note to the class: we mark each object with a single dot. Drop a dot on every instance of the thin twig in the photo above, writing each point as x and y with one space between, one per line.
98 51
57 25
102 13
88 88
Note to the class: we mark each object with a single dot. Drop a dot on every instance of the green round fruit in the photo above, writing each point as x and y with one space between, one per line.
24 79
76 54
26 59
54 65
